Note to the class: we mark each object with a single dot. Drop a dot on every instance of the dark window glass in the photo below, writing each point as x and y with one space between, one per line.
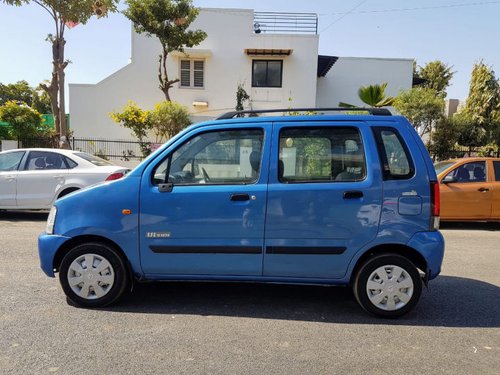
496 166
321 155
42 160
71 164
192 73
394 156
469 172
10 161
93 159
267 73
219 157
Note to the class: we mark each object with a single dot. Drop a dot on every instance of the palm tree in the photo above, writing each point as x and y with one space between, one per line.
373 95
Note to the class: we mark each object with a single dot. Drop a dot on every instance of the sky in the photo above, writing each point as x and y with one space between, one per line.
459 33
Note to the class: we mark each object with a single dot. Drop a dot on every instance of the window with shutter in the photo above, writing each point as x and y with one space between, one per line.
185 73
192 73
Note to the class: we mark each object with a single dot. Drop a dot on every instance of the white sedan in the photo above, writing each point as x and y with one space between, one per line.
32 179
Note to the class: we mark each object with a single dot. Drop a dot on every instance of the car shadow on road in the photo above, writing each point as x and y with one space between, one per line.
469 225
450 302
23 215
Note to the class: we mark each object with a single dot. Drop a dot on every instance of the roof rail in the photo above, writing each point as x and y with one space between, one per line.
254 113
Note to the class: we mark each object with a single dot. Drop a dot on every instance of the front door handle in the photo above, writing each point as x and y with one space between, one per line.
353 194
483 189
240 197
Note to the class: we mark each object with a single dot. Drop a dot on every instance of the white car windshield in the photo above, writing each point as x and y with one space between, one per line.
93 159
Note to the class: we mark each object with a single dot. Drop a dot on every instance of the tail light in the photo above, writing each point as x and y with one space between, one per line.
115 176
435 205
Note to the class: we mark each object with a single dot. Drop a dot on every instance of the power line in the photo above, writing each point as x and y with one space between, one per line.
343 15
411 9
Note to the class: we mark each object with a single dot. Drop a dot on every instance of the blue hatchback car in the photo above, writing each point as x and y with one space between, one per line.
324 199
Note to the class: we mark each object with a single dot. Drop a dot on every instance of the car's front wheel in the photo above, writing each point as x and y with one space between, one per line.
93 275
388 285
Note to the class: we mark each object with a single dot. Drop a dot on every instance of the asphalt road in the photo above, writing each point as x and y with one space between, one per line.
193 328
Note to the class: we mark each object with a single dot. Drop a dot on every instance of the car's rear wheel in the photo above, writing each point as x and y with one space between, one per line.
388 285
93 275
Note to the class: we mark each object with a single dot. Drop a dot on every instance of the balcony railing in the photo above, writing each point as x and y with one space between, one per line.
285 23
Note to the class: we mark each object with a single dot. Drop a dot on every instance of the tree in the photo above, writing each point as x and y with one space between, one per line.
479 120
168 20
63 13
423 107
24 121
168 119
373 95
437 76
138 120
470 133
444 139
21 92
241 97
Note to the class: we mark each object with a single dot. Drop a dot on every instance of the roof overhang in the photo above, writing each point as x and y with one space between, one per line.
325 63
268 51
192 52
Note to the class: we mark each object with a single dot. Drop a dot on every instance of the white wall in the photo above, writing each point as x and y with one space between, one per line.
229 31
348 74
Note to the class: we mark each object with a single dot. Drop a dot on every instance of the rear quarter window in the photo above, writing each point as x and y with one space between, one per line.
394 154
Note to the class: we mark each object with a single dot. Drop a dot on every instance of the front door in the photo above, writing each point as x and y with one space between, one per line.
469 195
9 164
324 199
203 205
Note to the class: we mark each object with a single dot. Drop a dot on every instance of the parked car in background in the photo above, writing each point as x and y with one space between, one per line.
470 189
346 200
34 178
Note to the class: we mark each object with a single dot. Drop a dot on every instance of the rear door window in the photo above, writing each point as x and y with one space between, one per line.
43 160
496 167
312 154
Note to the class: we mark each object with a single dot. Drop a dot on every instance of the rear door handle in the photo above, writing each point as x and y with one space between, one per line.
353 194
240 197
483 189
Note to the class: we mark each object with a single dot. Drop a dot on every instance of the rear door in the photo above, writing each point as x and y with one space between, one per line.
207 216
324 198
495 184
9 164
43 175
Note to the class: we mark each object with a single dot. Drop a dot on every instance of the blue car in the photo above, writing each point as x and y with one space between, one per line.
327 199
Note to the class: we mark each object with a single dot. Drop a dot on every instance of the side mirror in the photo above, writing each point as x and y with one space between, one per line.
449 179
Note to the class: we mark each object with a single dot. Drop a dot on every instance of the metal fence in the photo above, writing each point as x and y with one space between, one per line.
285 23
105 148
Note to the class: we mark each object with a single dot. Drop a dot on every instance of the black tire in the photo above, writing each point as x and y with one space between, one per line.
110 281
395 292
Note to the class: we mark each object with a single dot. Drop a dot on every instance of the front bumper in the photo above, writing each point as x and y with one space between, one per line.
431 246
48 245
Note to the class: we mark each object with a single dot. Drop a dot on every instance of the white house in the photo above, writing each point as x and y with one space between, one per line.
273 55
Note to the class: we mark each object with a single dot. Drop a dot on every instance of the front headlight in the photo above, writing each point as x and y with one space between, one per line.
51 220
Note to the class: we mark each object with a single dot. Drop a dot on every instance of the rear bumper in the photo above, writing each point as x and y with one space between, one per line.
48 245
431 246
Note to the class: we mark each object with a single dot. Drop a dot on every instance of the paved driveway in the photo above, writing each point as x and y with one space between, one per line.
192 328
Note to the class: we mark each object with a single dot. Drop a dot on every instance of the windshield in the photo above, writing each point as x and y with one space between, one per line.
442 165
93 159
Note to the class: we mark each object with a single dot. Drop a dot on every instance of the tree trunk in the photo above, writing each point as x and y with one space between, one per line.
56 92
165 84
